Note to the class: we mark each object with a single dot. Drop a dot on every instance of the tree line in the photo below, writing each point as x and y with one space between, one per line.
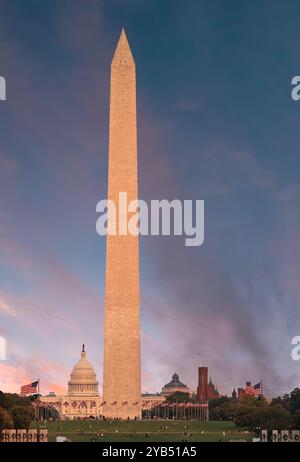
15 411
279 413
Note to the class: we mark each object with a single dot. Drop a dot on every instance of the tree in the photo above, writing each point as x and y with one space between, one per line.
296 420
9 400
5 419
294 404
283 400
178 397
22 416
18 410
275 416
219 401
246 415
226 411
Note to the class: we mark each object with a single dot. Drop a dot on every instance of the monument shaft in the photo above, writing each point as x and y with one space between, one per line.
122 368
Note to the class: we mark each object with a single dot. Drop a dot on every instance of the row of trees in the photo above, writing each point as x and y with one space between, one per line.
15 411
280 413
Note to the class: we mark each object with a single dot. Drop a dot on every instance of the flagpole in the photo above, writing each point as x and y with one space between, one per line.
261 400
38 413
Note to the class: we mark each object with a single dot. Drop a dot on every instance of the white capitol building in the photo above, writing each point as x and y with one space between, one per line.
83 399
83 381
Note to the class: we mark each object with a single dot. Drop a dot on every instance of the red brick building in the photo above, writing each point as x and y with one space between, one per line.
205 390
241 393
202 384
212 392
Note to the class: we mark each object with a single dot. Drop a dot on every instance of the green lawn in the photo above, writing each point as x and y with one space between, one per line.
162 430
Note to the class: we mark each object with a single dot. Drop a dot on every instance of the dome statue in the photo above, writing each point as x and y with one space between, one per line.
83 380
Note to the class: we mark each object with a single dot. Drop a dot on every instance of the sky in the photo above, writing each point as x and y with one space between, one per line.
216 122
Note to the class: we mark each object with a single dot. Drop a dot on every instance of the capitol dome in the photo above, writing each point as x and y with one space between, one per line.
83 380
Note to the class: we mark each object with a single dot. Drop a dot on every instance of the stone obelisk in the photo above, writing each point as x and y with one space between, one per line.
122 363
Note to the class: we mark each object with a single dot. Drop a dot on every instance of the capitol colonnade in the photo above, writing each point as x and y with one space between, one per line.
82 399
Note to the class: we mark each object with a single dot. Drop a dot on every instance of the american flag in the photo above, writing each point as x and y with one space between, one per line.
29 389
253 390
249 390
257 389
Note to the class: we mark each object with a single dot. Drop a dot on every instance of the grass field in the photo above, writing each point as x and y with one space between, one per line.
147 431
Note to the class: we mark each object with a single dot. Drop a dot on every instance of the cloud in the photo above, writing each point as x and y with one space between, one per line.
7 165
50 285
226 300
223 170
188 105
7 309
13 377
199 310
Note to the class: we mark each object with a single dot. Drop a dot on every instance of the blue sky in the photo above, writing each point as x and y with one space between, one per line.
216 122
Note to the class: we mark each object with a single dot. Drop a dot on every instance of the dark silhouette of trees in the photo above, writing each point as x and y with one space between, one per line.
254 414
15 411
179 397
6 420
291 403
22 416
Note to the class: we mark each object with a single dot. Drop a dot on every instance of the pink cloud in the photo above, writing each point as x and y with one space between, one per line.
7 165
11 378
6 308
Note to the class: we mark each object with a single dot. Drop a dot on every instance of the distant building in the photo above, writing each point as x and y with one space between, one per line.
174 386
250 390
241 393
202 388
205 390
51 394
149 400
83 399
212 392
234 394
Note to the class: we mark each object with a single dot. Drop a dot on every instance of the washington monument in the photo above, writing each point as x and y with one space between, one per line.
122 363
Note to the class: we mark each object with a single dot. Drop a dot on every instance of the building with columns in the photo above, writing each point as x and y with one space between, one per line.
82 399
